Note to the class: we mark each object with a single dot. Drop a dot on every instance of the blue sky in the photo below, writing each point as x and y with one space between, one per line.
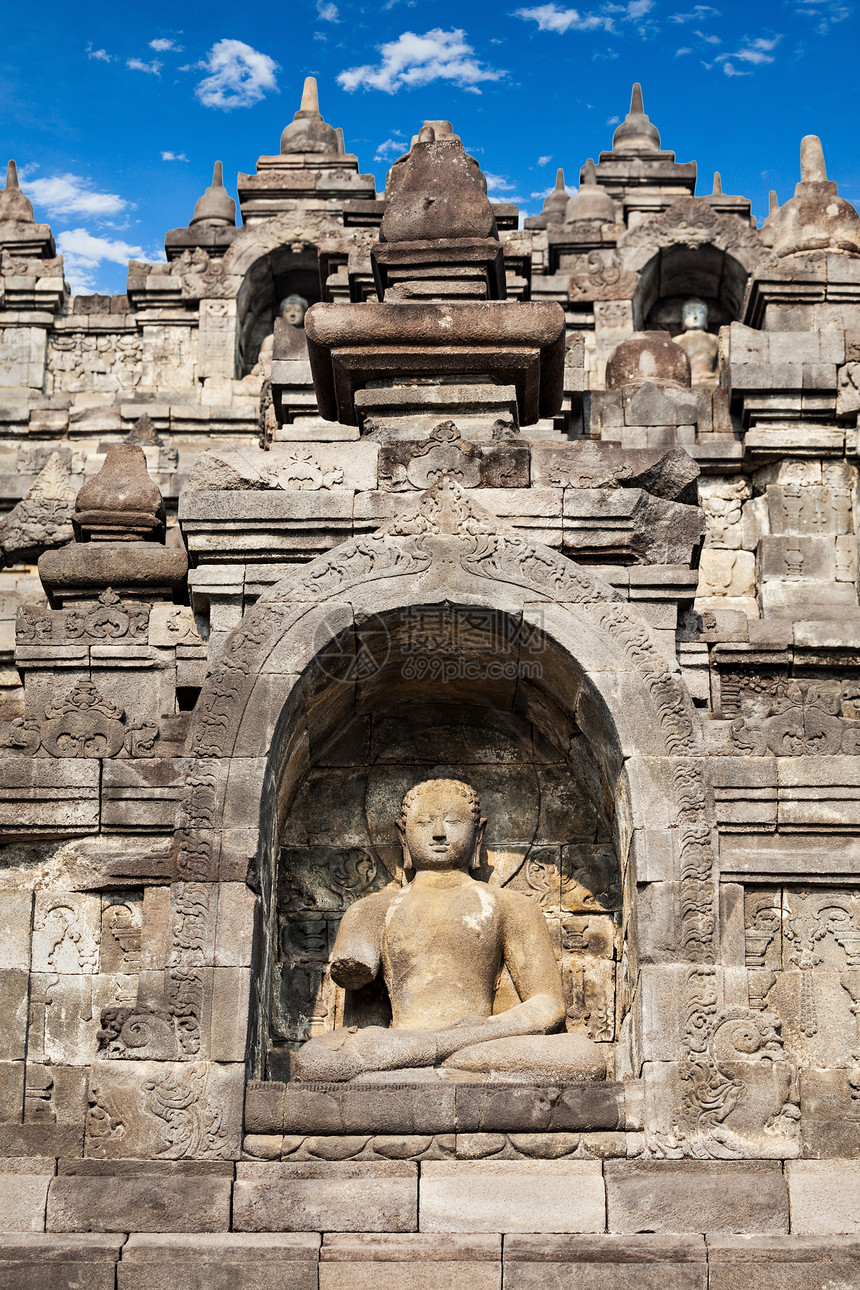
115 121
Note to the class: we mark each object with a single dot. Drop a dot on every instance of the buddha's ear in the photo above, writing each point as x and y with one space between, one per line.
407 858
479 842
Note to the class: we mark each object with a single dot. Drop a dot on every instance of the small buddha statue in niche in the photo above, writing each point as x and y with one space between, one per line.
441 943
699 344
292 310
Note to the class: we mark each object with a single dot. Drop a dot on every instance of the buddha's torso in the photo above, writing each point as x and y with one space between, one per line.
441 950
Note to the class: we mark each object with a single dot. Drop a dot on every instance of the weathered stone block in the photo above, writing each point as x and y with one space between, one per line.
512 1196
232 1261
144 1202
44 1262
532 1109
605 1262
825 1197
696 1196
22 1199
783 1263
336 1197
370 1262
14 989
421 1109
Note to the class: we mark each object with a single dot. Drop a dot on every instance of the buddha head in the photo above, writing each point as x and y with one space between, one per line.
293 309
440 826
694 316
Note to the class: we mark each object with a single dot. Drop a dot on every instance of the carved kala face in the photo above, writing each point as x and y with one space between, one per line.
438 830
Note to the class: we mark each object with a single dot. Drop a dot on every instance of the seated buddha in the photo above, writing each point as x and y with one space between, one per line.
700 345
440 944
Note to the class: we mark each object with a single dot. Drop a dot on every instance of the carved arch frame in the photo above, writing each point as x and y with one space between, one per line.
691 225
630 699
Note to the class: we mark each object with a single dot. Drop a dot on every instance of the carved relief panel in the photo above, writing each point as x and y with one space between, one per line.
803 957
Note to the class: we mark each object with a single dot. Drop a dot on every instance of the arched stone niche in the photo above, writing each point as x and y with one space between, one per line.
456 692
271 261
266 716
690 250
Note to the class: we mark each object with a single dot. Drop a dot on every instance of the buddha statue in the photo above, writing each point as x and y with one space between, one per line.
440 944
698 343
291 310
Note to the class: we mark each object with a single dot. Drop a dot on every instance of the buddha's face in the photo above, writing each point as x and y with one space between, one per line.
293 311
694 316
438 830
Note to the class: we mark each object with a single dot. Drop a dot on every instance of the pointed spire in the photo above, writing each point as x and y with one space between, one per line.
216 206
816 218
308 132
636 133
772 203
310 96
591 202
14 205
555 205
812 167
718 185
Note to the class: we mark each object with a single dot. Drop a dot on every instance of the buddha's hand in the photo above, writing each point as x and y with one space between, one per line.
345 1053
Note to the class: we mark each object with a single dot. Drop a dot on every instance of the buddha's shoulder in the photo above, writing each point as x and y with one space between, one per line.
375 903
516 902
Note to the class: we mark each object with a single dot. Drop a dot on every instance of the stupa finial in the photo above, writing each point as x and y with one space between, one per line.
588 174
14 205
812 167
718 184
636 133
310 96
772 203
816 218
216 206
308 132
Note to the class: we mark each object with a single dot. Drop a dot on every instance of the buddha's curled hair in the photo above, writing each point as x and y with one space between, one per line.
455 785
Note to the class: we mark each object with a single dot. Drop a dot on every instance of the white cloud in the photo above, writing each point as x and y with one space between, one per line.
699 13
709 39
163 43
550 18
137 65
101 54
70 195
638 9
239 76
825 12
613 120
679 53
173 156
390 149
83 254
544 161
500 189
412 60
731 70
327 11
498 183
756 52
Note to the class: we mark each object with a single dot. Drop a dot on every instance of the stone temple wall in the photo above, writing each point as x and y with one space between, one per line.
372 490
